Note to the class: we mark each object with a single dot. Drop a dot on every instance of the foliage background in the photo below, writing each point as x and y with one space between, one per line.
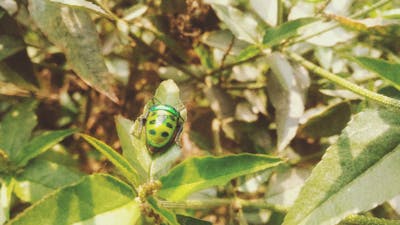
242 89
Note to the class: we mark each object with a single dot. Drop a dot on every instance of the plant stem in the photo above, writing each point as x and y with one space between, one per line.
211 203
355 15
366 220
381 99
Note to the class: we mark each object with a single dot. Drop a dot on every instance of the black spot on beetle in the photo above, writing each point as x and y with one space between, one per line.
173 118
169 125
152 132
152 122
164 134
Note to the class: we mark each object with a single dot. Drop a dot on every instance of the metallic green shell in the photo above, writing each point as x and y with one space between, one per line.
161 126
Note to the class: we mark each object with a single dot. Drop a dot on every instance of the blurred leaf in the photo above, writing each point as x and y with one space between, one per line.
395 203
286 87
329 122
40 144
12 89
390 91
172 73
386 70
392 14
257 99
135 11
10 45
284 187
6 189
116 159
195 174
242 25
275 35
83 4
267 10
251 183
166 214
220 102
42 177
206 57
9 74
73 30
222 40
96 199
355 174
245 113
133 149
16 127
9 5
249 52
187 220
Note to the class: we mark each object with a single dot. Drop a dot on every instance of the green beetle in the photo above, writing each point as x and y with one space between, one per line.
163 125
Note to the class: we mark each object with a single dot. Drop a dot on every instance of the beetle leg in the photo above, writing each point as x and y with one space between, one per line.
142 123
178 133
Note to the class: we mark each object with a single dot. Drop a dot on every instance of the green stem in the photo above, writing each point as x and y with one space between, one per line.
381 99
211 203
366 220
355 15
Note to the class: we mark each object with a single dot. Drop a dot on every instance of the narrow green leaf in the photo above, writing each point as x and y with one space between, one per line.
96 199
40 144
275 35
16 127
386 70
355 174
121 163
248 53
199 173
10 45
83 4
187 220
42 177
133 148
166 214
135 12
73 30
329 122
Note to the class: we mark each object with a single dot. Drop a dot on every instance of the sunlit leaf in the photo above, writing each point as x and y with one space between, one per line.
96 199
135 11
387 70
355 174
222 40
242 25
73 30
133 148
286 87
166 214
195 174
42 177
6 188
83 4
121 163
267 10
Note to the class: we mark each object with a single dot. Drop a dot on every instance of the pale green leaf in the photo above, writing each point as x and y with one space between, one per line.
166 214
84 5
73 31
16 79
40 144
135 11
355 174
42 177
286 88
10 45
121 163
96 199
162 163
386 70
6 188
242 25
16 127
267 10
222 40
133 148
195 174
